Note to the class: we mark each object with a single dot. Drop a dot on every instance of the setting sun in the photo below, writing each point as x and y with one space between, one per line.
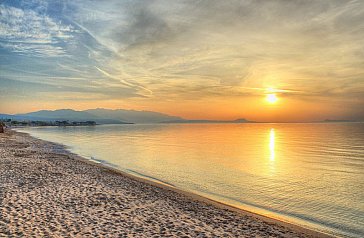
271 98
253 111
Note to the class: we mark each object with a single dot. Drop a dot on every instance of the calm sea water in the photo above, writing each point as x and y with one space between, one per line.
309 174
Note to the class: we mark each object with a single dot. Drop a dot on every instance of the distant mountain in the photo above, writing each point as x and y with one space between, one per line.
242 120
66 114
108 116
133 115
60 114
209 121
100 116
20 118
331 120
5 116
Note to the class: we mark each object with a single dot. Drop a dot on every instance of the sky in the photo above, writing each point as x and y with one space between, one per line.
195 59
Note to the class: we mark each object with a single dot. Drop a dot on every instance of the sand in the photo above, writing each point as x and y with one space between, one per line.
46 191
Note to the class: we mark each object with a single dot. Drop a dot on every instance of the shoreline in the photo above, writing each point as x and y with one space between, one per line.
200 198
284 228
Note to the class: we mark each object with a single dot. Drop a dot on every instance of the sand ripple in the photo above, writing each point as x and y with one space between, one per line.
46 192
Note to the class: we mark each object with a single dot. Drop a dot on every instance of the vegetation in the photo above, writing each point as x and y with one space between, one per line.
2 125
15 123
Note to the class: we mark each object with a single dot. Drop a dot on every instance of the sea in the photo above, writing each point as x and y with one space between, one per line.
309 174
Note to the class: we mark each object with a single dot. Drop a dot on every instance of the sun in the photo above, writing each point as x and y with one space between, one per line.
272 98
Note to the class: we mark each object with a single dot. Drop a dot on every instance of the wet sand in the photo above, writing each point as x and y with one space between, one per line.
46 191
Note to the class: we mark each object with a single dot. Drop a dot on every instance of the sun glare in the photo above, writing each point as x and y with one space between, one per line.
272 98
272 144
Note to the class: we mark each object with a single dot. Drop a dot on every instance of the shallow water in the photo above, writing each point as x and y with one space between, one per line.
309 174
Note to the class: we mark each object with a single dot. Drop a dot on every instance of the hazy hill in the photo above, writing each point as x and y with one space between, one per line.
108 116
60 114
66 114
100 116
133 115
20 117
209 121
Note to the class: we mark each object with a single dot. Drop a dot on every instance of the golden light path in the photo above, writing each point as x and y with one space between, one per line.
272 144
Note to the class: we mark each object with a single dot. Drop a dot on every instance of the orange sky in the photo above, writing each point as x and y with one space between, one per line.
210 60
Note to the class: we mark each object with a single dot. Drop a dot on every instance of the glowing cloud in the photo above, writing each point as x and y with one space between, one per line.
193 59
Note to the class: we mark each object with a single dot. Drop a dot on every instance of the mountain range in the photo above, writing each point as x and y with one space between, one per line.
107 116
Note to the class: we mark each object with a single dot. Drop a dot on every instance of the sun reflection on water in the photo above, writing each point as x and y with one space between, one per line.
238 164
272 144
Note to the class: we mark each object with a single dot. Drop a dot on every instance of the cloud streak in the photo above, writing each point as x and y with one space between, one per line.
123 81
27 32
207 50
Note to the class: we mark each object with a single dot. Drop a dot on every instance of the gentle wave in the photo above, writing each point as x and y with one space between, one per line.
310 174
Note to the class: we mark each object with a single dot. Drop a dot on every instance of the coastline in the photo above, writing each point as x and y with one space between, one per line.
202 217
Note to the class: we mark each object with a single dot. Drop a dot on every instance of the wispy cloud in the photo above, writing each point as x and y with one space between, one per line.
125 82
181 50
28 32
240 43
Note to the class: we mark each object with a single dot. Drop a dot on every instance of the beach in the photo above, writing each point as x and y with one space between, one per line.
46 191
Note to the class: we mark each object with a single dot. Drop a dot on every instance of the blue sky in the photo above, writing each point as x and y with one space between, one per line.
213 59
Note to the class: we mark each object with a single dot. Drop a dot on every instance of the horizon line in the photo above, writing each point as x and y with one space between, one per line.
327 120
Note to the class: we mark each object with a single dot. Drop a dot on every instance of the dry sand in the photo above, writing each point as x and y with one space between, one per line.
46 191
